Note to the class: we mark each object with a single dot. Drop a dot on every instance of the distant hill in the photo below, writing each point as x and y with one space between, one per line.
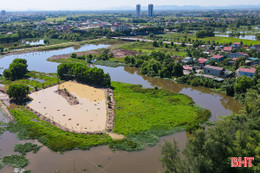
185 7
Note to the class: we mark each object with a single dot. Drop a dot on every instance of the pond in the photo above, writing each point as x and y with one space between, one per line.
119 161
245 37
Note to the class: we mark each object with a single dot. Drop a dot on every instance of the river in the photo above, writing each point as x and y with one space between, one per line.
112 162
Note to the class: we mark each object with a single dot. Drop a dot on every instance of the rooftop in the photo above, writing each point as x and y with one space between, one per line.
248 70
214 67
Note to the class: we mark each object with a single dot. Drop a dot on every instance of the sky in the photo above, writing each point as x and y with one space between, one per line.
21 5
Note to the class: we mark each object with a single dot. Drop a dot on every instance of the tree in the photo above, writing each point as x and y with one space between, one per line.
17 69
257 36
73 55
242 84
89 58
1 48
155 44
171 158
18 92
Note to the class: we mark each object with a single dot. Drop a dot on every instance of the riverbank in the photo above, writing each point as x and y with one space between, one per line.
61 45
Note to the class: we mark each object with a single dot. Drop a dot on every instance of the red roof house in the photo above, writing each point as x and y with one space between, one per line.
227 49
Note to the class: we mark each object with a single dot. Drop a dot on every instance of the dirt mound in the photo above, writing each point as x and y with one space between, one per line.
121 53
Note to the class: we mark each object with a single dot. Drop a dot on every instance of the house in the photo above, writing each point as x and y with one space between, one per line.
236 45
214 70
188 60
227 49
237 54
256 47
202 62
217 58
250 72
254 60
119 27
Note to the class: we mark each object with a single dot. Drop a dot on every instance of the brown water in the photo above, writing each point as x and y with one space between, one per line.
46 161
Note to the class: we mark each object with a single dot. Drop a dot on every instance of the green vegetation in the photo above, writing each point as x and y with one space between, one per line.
109 63
29 126
33 80
16 161
27 147
221 40
2 127
143 115
84 74
156 64
17 69
146 48
17 92
236 135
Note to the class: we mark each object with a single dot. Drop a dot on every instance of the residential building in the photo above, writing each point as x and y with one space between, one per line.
214 70
188 60
138 10
150 10
217 58
227 49
254 60
202 62
250 72
119 27
237 54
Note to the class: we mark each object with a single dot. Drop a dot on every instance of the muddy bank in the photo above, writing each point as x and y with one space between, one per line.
118 53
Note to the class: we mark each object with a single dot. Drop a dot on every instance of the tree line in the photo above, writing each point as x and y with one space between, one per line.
156 64
83 74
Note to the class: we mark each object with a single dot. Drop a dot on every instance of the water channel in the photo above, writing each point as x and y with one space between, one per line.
112 162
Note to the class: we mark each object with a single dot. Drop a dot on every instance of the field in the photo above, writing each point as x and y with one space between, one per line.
221 40
87 115
139 109
146 47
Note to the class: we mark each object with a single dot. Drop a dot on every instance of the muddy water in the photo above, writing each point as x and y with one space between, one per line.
120 161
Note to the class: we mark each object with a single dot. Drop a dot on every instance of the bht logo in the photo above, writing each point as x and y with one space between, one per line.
237 162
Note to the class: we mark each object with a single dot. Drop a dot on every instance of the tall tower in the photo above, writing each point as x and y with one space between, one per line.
150 10
138 10
3 13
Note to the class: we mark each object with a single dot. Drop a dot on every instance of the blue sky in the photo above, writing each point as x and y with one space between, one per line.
106 4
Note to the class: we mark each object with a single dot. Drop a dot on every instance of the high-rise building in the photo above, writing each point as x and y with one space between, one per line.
150 10
3 13
138 10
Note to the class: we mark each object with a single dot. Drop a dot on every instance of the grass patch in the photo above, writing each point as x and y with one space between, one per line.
27 147
221 40
29 126
16 161
144 115
146 47
70 60
109 63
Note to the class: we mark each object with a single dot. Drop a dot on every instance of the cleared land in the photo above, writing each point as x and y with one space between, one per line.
87 116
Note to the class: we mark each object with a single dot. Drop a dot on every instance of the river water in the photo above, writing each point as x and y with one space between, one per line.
46 161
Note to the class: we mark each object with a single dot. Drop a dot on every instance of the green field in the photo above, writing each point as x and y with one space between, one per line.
139 109
221 40
146 47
